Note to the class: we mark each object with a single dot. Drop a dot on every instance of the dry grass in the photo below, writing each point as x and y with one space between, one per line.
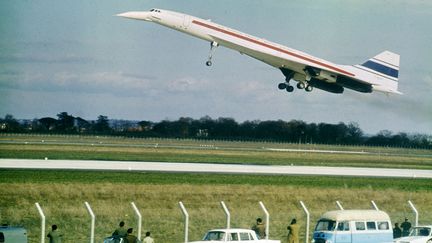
64 205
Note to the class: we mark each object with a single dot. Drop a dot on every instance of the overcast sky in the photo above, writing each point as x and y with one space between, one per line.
75 56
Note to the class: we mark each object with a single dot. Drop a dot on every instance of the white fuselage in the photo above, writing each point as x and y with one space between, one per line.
274 54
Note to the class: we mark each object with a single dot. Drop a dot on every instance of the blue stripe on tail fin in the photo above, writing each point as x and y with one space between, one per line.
386 63
381 68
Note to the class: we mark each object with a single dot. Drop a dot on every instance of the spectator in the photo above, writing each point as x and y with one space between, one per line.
259 228
406 226
54 236
293 232
130 238
397 232
147 238
120 231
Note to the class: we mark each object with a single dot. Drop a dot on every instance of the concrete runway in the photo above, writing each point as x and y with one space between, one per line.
212 168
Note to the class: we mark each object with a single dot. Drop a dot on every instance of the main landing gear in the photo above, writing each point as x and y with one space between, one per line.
286 86
289 74
300 85
213 46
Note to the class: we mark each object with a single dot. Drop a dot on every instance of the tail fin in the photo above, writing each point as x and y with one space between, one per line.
386 63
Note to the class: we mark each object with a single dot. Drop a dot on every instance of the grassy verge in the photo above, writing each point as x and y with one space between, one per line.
62 195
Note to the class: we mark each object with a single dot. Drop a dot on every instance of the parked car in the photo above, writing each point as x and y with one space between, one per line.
418 234
233 235
113 239
10 234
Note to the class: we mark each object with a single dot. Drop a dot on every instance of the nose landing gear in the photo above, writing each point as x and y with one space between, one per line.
213 46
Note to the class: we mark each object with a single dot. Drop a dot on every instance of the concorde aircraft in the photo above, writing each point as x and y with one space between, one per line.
379 73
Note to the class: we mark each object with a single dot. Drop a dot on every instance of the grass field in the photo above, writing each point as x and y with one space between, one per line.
109 148
62 193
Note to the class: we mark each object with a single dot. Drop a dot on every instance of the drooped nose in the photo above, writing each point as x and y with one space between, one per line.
144 15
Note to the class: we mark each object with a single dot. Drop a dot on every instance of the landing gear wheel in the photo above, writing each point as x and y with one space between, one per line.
309 88
282 86
300 85
213 46
289 88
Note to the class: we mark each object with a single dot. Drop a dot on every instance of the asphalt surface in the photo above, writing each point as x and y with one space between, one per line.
211 168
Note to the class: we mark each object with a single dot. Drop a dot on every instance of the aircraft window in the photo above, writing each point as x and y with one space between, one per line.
152 10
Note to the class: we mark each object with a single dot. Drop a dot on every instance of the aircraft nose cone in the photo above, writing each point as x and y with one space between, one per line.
135 15
124 15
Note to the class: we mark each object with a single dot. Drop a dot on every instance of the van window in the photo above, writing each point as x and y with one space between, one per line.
371 225
2 239
343 226
325 225
383 226
360 225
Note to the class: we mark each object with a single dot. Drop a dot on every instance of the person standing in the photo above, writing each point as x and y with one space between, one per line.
147 238
120 231
259 228
130 238
293 232
397 232
406 226
54 236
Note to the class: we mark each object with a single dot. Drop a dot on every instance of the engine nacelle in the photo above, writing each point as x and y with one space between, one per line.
327 76
330 87
312 72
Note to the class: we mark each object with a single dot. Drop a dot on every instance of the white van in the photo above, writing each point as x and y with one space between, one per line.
353 226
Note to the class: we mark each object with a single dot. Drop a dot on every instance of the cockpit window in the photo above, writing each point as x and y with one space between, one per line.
155 10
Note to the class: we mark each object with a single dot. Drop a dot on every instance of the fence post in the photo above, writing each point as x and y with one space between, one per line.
227 213
374 205
307 221
267 219
138 214
186 227
93 219
42 215
339 205
415 212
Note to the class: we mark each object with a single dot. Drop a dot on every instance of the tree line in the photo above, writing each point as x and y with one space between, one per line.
294 131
